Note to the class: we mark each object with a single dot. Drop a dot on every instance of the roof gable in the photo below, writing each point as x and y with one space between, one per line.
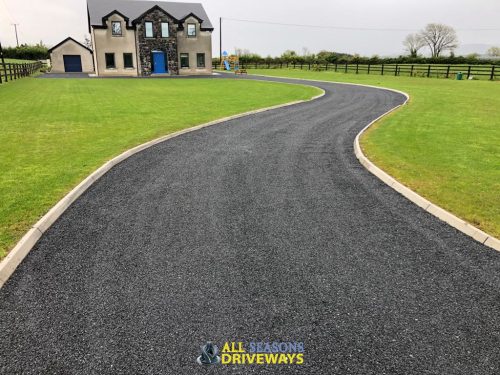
67 40
156 7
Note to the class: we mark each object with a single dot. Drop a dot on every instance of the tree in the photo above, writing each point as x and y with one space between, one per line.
289 56
494 52
87 43
413 43
439 38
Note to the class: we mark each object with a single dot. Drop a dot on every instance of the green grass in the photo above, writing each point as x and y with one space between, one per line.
445 144
55 132
17 61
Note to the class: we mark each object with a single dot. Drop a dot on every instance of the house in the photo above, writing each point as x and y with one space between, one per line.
143 38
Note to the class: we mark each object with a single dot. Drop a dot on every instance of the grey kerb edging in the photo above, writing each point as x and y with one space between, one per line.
420 201
24 246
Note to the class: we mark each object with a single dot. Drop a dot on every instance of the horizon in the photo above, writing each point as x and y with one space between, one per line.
361 28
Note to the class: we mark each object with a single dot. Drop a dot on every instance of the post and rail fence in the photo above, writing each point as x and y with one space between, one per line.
491 72
14 71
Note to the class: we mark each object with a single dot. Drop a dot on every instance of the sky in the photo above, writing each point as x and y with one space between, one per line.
366 27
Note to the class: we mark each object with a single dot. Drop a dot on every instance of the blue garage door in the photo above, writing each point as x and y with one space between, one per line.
72 63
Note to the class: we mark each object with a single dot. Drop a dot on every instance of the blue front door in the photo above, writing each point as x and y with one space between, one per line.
159 63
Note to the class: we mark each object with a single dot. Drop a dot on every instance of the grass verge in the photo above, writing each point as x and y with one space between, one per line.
443 145
55 132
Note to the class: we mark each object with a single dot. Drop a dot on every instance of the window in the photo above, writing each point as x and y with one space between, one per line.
110 61
200 60
184 60
149 29
191 30
128 61
164 30
116 28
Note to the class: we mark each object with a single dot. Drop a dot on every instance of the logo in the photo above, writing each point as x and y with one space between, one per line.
209 354
253 353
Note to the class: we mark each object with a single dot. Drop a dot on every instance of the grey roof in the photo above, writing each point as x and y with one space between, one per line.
135 8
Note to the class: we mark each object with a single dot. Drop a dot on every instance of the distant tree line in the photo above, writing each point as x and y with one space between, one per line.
27 52
324 57
437 38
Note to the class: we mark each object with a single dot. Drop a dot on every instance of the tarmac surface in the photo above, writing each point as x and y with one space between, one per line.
264 228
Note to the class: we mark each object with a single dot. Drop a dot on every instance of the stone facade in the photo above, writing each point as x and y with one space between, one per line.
146 46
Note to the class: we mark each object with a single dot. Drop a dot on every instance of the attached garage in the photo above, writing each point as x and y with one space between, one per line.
70 56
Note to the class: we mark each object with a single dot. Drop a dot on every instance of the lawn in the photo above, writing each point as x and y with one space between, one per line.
445 144
17 61
55 132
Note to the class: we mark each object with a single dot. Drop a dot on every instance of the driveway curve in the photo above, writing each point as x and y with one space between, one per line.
264 228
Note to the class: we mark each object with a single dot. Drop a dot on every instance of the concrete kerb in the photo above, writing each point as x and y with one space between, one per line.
420 201
9 264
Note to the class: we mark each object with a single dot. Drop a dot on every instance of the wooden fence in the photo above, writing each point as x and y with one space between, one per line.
491 72
13 71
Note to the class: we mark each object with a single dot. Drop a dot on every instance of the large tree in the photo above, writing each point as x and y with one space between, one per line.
413 43
494 52
439 38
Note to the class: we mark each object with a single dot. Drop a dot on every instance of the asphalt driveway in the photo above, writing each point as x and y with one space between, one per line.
264 228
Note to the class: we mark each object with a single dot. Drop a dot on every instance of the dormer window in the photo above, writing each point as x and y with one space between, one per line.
191 30
149 29
116 28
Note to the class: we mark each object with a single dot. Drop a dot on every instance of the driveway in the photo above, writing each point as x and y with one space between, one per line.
264 228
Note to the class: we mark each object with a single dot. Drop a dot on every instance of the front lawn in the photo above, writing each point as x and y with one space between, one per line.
55 132
445 144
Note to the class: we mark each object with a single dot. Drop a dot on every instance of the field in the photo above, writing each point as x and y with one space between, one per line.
55 132
474 72
17 61
444 144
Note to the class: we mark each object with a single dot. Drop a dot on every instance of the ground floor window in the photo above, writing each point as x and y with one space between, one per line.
128 61
200 60
110 61
184 60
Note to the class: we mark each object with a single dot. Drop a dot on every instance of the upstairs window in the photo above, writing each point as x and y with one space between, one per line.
191 30
164 30
116 28
149 29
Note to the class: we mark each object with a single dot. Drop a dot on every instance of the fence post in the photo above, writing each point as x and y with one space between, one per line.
345 67
411 71
369 66
448 71
428 71
10 71
396 70
336 66
468 72
492 76
357 68
309 66
382 70
4 71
